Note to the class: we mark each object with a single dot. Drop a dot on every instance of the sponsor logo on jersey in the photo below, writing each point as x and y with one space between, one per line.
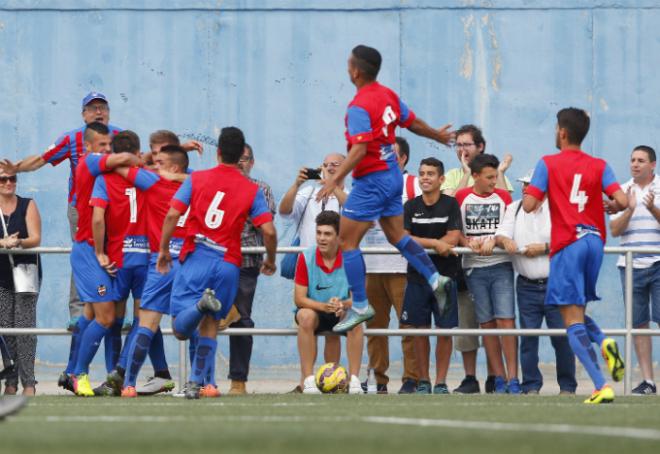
102 290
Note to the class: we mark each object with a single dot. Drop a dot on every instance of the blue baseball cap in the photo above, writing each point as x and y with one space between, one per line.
91 96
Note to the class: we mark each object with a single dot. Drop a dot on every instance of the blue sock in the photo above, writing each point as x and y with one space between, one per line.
203 359
210 375
192 347
137 354
187 321
123 356
356 275
112 344
157 354
581 345
89 345
593 330
419 259
78 331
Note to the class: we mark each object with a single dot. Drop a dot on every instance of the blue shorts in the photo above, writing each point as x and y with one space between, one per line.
93 283
130 280
419 305
574 272
646 294
204 268
491 288
158 288
375 195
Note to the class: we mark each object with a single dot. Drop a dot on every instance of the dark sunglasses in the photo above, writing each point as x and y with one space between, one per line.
6 179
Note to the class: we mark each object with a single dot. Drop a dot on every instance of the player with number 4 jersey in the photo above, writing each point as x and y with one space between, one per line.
371 121
574 183
220 201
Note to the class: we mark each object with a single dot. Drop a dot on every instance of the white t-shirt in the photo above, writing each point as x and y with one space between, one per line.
306 197
643 229
375 237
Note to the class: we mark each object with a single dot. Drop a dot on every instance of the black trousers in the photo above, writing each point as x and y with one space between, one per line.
240 347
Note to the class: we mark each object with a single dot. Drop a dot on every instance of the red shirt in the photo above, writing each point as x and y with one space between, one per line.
90 166
574 183
220 200
302 276
372 118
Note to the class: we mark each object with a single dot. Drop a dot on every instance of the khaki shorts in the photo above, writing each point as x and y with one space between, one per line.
466 320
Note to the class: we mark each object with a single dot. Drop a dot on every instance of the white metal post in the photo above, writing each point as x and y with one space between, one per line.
627 381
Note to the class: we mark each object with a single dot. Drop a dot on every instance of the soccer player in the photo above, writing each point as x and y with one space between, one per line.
71 146
371 121
93 276
146 337
120 232
220 201
573 182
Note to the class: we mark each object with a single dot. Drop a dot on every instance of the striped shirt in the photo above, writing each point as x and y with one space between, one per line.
643 229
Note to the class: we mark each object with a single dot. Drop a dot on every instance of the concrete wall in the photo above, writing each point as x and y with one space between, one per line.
277 70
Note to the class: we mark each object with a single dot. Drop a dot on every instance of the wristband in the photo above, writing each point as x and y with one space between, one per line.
547 248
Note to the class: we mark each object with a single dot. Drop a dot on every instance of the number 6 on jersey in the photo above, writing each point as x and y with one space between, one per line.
214 214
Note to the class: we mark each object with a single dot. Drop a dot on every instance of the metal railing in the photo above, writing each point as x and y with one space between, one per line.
627 333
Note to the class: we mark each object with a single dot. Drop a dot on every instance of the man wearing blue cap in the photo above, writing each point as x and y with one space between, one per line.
69 145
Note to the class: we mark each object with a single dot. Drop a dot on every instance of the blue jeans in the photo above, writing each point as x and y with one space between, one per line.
646 294
532 310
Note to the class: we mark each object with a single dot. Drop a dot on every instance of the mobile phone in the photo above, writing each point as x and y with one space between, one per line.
313 174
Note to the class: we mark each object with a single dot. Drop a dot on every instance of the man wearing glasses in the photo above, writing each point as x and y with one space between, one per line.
299 204
70 145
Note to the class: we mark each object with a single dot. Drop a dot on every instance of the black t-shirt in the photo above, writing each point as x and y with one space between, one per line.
434 221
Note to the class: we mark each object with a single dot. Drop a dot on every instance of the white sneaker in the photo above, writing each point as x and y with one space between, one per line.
355 387
309 386
155 385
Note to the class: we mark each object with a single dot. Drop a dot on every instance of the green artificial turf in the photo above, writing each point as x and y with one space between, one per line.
333 423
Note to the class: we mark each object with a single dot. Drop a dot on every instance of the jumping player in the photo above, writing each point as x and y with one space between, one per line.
220 201
573 181
371 121
93 278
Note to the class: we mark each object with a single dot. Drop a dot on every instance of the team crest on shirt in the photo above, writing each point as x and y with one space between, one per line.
102 290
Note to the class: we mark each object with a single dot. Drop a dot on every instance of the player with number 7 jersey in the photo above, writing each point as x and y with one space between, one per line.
220 200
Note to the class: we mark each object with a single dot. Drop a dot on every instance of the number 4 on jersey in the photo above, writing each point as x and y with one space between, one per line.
578 197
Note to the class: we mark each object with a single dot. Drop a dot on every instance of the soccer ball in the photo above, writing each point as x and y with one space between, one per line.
331 378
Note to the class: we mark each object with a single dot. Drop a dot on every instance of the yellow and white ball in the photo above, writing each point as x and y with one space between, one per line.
332 378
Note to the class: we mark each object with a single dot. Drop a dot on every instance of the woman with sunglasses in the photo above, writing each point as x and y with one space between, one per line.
18 310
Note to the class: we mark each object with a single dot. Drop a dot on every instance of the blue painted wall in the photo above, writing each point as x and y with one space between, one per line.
277 70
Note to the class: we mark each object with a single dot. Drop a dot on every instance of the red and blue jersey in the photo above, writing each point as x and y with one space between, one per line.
574 183
125 219
89 167
372 117
220 201
156 194
71 146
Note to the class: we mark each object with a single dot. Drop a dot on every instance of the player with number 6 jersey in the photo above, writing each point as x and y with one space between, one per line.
220 200
371 121
574 183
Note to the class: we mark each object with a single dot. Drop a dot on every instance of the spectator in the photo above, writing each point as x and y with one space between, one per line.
529 233
434 221
490 278
470 142
322 296
386 284
163 137
18 310
639 225
71 146
299 203
240 347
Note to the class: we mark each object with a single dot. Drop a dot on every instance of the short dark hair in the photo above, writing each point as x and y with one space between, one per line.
576 123
368 61
249 147
480 162
330 218
435 162
475 132
648 150
231 144
178 155
126 142
164 136
95 127
404 148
